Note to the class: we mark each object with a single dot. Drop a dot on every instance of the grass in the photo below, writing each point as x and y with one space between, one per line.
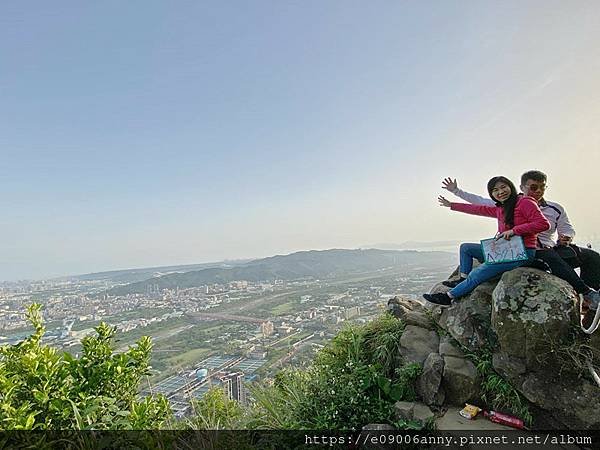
283 309
189 357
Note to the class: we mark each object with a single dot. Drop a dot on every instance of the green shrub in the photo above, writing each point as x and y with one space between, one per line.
215 411
41 388
354 380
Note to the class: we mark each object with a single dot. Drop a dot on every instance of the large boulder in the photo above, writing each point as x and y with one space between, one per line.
575 403
429 383
460 380
468 320
447 348
411 312
528 320
417 343
532 314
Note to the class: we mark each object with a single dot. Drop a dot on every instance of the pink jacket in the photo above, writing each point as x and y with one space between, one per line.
529 220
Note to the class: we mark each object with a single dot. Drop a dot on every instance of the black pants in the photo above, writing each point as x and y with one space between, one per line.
562 269
589 262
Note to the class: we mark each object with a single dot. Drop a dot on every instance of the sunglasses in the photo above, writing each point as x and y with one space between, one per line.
535 187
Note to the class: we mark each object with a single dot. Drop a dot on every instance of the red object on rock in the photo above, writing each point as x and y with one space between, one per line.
504 419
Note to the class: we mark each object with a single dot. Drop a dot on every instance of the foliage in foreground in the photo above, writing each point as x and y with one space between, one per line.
354 380
41 388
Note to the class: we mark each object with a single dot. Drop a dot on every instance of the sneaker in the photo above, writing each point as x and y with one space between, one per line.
588 318
453 283
592 299
441 299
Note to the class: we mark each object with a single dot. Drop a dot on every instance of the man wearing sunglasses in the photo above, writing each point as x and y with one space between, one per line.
561 255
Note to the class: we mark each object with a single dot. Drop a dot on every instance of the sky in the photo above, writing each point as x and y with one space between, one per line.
148 133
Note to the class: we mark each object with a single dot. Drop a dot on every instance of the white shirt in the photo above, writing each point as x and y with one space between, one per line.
555 213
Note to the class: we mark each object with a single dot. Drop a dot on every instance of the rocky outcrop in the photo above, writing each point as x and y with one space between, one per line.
532 315
461 381
417 343
469 320
528 319
409 411
429 384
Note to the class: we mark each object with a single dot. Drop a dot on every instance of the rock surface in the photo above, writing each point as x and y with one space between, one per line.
454 421
468 319
461 380
413 411
532 315
417 343
526 319
429 382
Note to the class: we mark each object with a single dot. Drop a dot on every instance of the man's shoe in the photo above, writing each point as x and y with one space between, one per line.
588 318
453 283
441 299
591 299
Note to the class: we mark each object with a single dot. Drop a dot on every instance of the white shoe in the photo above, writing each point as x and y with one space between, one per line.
592 298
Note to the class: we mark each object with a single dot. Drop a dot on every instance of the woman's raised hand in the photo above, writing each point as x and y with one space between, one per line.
444 201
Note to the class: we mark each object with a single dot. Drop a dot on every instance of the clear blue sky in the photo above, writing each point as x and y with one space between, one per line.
148 133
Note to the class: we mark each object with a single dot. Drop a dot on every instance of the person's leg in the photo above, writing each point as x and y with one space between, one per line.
562 269
483 273
590 267
468 252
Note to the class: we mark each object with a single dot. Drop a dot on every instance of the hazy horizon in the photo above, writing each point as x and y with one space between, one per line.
140 134
425 248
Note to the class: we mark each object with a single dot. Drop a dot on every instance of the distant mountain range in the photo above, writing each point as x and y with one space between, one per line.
133 275
413 245
308 264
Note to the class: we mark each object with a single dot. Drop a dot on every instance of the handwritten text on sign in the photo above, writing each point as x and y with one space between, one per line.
502 250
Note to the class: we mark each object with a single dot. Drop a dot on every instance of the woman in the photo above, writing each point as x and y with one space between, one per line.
518 215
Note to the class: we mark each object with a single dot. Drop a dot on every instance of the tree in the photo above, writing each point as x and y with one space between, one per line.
42 388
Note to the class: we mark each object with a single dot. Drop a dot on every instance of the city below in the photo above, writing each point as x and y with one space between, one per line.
230 334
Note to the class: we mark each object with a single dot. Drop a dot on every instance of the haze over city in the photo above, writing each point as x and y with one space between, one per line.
144 134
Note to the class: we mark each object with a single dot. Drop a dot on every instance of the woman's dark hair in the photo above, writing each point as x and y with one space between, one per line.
509 204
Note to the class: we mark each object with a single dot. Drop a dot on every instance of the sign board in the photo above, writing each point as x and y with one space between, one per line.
503 250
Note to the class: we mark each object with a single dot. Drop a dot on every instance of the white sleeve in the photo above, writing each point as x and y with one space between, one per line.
473 198
563 226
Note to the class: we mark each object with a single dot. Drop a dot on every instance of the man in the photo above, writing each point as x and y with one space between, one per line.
560 254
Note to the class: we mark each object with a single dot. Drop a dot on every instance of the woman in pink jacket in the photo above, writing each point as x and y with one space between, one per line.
517 215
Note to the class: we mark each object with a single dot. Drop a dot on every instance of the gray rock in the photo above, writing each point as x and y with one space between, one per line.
413 411
411 305
410 312
449 349
422 413
573 402
404 410
417 319
460 380
508 366
532 311
417 343
469 319
525 318
428 385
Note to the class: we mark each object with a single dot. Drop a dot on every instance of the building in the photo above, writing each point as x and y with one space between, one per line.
233 383
349 313
267 328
